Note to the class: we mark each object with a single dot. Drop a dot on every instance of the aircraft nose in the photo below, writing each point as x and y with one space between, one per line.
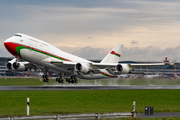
11 47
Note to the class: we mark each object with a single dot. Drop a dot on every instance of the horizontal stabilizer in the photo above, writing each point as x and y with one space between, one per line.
171 63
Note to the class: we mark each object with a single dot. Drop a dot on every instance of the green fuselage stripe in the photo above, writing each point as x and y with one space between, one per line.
23 47
116 55
107 75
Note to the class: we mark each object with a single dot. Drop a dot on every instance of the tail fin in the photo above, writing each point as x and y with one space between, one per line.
114 55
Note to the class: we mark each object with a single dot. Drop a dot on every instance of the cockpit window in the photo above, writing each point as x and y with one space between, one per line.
18 35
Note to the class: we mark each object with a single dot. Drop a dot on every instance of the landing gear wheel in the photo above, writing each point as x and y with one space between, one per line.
62 81
45 78
72 81
67 80
57 80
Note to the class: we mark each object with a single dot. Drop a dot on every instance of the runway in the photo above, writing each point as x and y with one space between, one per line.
74 87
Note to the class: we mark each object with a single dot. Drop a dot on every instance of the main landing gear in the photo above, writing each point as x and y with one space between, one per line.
45 78
72 79
59 80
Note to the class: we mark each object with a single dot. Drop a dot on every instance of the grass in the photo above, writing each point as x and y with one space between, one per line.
37 82
13 103
20 82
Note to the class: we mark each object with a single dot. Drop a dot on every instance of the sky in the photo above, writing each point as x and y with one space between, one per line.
148 29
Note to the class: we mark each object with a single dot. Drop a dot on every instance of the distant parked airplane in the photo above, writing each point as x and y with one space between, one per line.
49 59
151 76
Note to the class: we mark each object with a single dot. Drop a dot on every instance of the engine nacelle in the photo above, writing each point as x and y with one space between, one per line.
81 67
9 66
18 66
123 68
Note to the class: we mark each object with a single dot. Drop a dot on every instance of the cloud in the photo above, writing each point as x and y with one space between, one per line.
91 53
90 37
150 53
73 23
134 42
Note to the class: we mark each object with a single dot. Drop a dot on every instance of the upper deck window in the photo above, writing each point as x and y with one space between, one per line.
18 35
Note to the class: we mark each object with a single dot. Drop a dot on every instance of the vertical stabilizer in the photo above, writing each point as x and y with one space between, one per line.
114 55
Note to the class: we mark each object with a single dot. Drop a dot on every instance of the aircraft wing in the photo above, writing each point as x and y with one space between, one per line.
94 68
63 63
92 65
134 65
30 65
110 67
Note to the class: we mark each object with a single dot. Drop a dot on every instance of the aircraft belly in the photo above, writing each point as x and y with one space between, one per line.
32 56
37 58
103 74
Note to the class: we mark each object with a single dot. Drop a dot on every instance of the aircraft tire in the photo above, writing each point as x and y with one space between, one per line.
62 81
76 81
74 77
69 81
57 80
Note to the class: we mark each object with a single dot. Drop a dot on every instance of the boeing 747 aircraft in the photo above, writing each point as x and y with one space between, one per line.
40 54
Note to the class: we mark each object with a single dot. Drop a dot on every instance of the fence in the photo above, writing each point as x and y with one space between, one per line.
76 116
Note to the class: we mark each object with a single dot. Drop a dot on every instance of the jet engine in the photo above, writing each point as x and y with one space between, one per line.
9 65
81 67
123 68
19 66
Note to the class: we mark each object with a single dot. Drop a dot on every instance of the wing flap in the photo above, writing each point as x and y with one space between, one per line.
63 63
103 65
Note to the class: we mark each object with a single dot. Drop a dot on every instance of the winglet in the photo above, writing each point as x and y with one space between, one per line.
171 63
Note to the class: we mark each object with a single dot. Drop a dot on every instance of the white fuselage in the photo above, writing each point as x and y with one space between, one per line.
42 53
